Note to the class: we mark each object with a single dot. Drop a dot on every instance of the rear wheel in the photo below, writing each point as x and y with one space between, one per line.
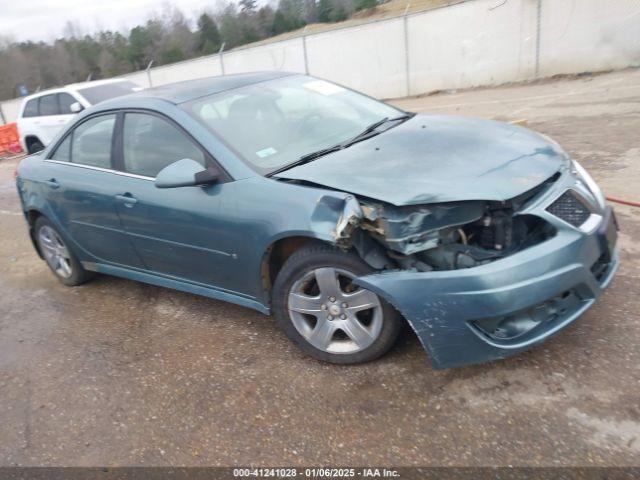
58 256
34 146
319 307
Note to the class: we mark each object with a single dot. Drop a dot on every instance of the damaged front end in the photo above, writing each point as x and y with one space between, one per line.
447 236
481 280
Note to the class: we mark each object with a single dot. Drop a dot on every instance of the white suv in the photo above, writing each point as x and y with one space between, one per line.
42 115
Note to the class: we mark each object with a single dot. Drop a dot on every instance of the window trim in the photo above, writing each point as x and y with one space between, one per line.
117 152
100 169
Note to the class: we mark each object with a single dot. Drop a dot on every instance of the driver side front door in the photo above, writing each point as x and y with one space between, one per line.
180 233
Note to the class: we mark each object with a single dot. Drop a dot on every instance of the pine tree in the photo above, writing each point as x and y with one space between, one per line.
208 35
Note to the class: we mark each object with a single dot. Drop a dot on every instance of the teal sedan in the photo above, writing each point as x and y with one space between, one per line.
342 216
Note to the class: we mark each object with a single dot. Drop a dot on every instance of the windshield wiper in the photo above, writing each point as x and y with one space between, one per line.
308 158
370 131
366 133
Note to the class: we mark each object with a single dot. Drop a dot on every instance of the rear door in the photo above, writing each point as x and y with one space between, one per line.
49 121
177 232
81 187
28 121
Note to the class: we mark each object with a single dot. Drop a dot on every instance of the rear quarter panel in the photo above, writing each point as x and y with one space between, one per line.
32 172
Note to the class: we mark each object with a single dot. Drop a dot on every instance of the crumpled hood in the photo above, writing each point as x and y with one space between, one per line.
436 158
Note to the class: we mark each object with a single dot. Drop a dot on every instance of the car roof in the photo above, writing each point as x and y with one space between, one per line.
74 86
188 90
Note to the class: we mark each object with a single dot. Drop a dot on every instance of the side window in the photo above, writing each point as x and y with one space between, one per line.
65 101
91 142
151 143
49 105
63 152
31 108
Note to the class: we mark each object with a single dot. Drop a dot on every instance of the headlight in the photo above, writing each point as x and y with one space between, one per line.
590 183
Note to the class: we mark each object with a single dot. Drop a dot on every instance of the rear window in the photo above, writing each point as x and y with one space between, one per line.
100 93
31 108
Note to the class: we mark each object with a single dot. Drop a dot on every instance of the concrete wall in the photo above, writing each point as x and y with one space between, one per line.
589 35
468 44
370 58
287 55
10 110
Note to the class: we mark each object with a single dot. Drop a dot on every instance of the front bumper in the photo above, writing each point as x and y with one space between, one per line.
541 290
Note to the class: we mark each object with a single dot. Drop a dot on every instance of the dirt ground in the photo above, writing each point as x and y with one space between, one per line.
120 373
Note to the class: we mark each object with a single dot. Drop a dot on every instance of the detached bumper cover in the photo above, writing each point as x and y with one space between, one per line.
539 290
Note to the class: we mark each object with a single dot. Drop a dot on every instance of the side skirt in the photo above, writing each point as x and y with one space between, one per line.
168 282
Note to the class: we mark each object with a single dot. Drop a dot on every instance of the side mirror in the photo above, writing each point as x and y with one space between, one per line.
186 173
75 107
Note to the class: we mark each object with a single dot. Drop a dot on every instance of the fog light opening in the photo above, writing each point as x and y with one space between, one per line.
508 327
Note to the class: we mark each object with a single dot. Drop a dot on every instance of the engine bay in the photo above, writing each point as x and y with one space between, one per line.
447 236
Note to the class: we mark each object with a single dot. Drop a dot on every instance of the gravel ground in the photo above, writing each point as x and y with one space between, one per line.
121 373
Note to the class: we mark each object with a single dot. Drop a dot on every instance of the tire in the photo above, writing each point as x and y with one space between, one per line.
58 256
320 320
34 146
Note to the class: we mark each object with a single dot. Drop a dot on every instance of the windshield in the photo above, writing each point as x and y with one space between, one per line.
103 92
272 124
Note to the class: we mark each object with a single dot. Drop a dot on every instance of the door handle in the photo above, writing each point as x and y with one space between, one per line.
127 199
52 183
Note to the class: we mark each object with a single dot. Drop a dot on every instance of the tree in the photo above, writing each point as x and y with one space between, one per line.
208 35
172 53
264 21
339 14
165 37
366 4
324 11
248 33
288 16
140 41
229 23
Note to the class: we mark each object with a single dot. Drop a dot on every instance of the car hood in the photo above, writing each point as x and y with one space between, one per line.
436 158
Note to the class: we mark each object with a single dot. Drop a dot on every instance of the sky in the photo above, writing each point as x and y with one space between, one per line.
46 19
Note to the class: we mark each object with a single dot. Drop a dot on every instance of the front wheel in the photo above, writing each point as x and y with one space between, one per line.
330 318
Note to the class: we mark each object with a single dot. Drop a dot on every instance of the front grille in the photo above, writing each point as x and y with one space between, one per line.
570 209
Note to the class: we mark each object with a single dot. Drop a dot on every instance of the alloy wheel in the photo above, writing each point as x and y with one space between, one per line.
332 313
55 251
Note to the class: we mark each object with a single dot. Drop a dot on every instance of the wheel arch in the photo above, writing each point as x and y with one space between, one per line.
32 216
29 139
278 251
